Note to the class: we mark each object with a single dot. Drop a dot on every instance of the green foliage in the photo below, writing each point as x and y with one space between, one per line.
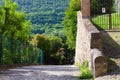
51 47
6 58
56 43
42 12
17 46
43 42
70 22
15 36
85 72
97 5
107 20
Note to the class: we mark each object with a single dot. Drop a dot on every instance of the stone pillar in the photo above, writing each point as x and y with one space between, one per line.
85 6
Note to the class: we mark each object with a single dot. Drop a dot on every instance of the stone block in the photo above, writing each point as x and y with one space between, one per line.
98 63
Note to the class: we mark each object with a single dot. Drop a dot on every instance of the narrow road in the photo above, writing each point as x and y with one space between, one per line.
43 72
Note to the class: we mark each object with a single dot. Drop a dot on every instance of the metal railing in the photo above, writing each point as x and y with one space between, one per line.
105 14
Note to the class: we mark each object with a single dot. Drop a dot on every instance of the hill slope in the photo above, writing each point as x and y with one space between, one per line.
46 15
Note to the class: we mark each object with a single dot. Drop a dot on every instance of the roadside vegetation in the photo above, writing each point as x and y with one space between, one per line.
18 45
86 73
70 22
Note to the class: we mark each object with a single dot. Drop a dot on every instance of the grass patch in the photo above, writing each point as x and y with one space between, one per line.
102 21
85 72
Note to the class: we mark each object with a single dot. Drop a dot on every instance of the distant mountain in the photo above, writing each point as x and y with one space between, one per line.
46 15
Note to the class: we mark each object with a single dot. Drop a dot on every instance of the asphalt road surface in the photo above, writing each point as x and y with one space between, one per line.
42 72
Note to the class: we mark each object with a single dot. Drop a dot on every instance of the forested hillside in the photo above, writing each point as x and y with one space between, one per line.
18 46
46 15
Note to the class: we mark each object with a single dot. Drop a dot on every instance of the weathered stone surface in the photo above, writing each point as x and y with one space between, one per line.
96 41
88 37
82 41
114 75
98 63
85 6
111 43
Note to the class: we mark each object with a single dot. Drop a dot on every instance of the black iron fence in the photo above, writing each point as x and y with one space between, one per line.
105 13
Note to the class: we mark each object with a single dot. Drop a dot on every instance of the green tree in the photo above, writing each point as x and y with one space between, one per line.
97 5
70 22
41 12
56 44
2 17
15 22
43 43
12 24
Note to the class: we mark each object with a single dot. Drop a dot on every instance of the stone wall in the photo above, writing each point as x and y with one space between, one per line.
83 38
88 37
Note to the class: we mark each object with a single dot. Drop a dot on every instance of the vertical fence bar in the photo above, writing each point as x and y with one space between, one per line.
117 12
110 17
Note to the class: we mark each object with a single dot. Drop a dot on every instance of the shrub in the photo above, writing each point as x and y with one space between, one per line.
85 72
70 22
